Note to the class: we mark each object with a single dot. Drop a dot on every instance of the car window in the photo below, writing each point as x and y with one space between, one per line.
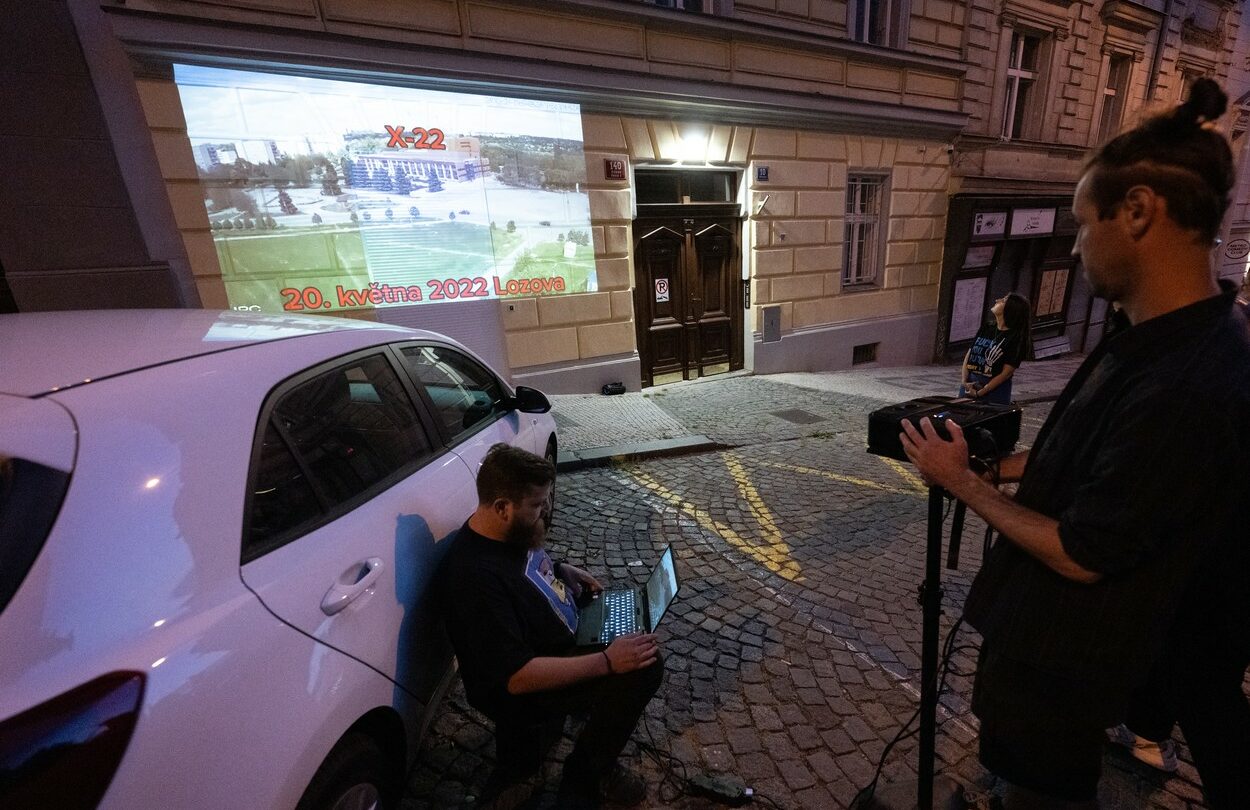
30 498
329 439
464 394
282 498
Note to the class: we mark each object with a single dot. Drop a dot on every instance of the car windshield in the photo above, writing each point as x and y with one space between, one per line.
30 497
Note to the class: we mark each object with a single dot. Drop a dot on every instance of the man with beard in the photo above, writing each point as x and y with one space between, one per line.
1124 540
511 614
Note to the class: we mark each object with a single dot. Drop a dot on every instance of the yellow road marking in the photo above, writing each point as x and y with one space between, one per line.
907 475
774 557
752 496
847 479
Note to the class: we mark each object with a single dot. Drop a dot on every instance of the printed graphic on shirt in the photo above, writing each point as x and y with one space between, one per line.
541 574
986 353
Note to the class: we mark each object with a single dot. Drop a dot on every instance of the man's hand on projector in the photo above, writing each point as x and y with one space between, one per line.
940 462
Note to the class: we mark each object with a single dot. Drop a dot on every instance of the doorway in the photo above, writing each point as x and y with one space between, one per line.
688 292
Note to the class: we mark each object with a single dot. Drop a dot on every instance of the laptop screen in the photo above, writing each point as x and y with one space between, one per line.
661 588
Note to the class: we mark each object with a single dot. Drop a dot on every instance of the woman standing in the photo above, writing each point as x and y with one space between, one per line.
997 351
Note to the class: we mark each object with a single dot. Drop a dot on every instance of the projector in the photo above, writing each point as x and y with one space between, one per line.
990 430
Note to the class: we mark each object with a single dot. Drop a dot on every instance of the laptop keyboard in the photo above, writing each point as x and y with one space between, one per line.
619 609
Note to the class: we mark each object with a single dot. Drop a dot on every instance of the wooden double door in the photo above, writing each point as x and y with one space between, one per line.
687 296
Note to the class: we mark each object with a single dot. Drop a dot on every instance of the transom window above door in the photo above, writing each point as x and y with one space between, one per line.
665 186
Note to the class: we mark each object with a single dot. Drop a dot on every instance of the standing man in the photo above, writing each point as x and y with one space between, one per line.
512 618
1131 492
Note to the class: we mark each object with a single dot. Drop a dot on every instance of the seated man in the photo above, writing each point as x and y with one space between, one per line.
512 619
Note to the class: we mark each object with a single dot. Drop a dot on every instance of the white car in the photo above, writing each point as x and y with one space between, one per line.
217 533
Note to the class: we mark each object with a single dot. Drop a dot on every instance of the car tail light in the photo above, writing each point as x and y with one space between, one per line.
63 753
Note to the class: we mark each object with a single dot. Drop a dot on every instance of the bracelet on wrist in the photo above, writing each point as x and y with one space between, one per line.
609 660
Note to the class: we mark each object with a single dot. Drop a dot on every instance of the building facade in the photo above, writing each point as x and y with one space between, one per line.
765 184
1048 81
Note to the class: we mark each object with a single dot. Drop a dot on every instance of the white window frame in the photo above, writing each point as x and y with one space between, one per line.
862 253
1015 75
894 26
859 29
1114 95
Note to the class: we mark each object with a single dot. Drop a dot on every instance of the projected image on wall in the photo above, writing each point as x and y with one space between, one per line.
327 195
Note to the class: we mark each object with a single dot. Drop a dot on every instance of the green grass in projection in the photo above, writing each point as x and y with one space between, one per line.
547 260
423 251
256 267
504 243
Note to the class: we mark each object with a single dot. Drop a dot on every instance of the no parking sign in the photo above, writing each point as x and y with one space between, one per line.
661 290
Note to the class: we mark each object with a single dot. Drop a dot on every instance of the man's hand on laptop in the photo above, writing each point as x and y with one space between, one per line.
635 651
578 580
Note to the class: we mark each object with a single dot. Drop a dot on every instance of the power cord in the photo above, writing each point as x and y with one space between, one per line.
676 783
948 649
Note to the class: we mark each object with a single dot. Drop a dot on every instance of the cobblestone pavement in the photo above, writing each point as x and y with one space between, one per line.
593 420
793 647
751 410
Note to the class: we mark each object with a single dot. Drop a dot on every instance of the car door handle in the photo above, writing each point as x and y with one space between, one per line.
353 583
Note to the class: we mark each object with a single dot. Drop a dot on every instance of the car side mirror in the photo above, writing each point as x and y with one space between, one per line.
529 400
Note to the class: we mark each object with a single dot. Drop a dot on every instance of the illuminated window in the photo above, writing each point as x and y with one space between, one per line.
862 248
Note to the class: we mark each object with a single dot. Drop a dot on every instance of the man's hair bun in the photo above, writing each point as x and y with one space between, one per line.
1206 102
1178 154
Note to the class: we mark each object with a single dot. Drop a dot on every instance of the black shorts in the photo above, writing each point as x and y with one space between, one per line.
1037 731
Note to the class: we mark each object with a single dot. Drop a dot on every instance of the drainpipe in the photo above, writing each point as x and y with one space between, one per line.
1157 60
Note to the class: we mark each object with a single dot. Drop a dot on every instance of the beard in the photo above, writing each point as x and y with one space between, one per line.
525 535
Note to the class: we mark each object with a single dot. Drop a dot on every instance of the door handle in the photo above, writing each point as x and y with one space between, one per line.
351 585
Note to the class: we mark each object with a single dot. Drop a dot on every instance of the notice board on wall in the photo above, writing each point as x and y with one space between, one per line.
968 310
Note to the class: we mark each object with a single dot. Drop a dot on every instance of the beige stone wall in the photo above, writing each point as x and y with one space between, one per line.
937 27
601 324
1079 41
648 45
811 14
163 110
793 245
796 240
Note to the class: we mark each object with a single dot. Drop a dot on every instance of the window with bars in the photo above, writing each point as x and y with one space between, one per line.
1114 96
1022 77
862 249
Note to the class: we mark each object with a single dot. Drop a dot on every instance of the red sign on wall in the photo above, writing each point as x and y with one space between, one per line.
614 169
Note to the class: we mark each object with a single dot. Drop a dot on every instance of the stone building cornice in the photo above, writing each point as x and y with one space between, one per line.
1130 16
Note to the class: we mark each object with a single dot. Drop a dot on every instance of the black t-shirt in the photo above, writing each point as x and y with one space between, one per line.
994 348
1142 462
503 606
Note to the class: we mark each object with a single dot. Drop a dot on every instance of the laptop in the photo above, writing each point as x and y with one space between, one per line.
622 611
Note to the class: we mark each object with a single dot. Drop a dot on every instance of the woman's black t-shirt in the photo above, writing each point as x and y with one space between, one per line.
994 348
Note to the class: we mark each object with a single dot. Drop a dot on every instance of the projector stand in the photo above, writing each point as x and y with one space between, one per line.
921 794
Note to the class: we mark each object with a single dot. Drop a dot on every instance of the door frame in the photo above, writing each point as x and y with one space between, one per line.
650 217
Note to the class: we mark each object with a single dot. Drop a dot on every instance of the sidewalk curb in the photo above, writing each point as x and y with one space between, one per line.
603 456
1036 398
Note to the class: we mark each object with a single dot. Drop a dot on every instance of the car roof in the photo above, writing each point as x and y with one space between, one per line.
42 352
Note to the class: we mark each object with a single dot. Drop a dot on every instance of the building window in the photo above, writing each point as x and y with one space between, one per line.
1021 83
1114 96
862 248
718 7
877 22
1188 77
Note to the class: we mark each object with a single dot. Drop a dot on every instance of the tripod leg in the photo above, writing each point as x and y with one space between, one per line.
931 610
957 534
